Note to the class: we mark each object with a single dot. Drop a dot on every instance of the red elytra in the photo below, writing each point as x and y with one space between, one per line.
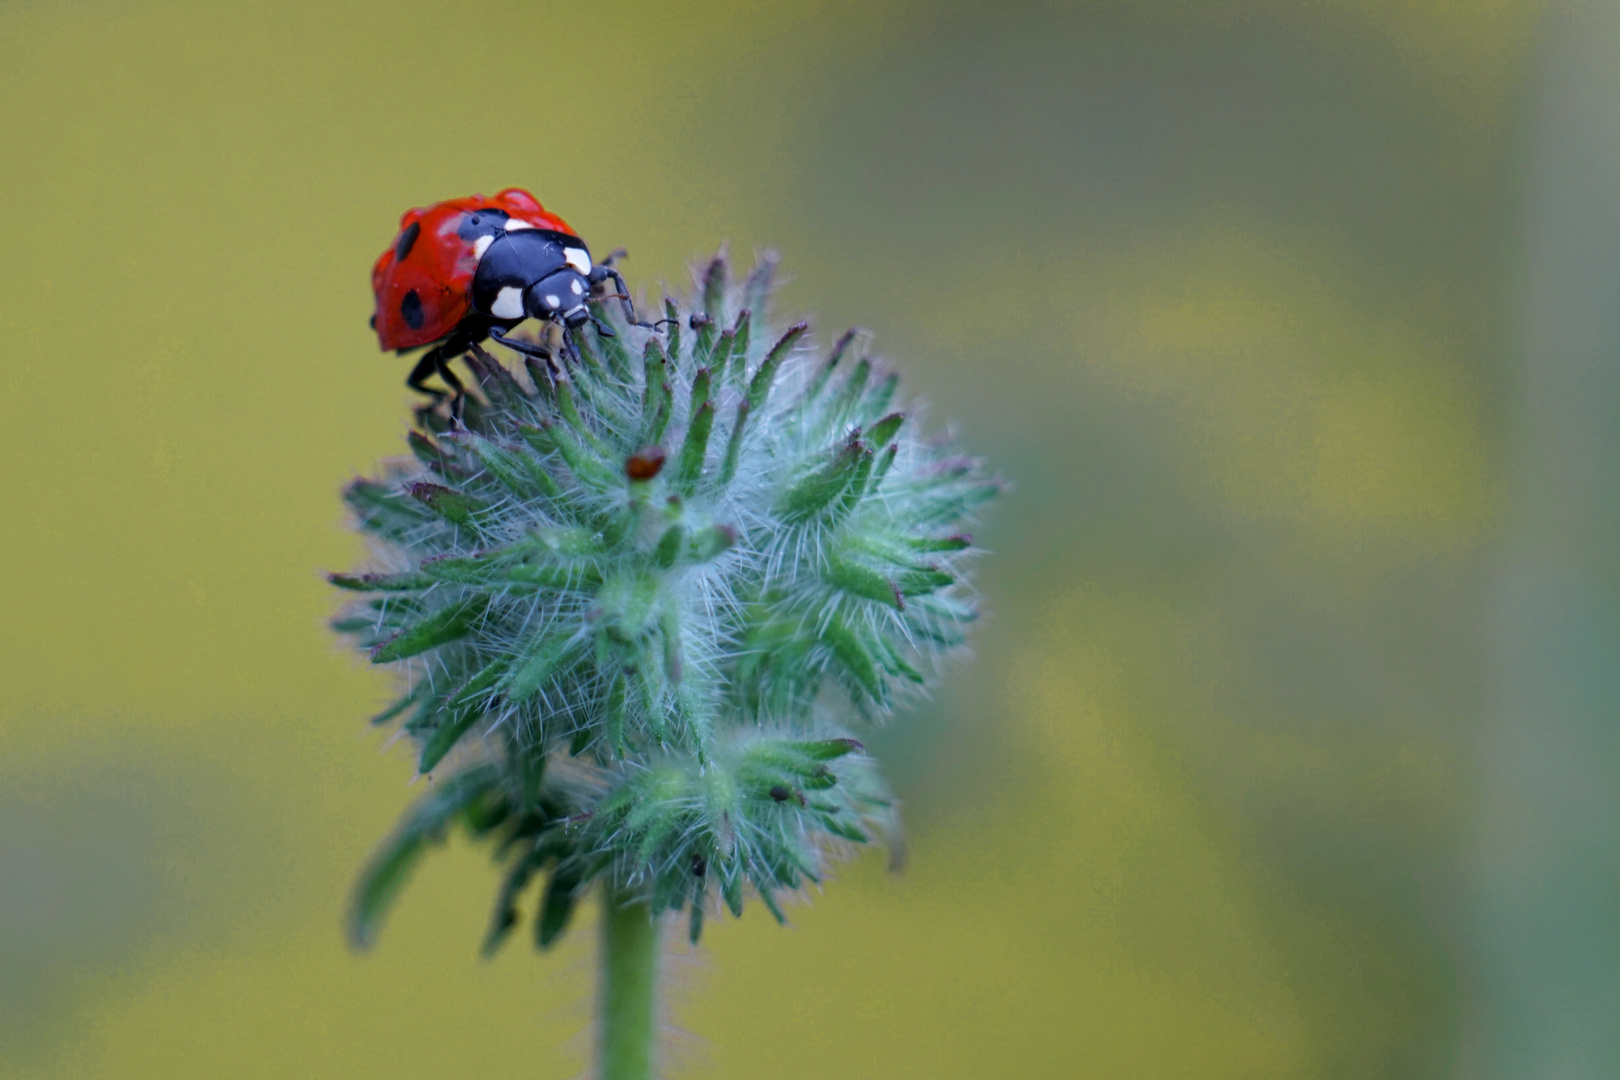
439 265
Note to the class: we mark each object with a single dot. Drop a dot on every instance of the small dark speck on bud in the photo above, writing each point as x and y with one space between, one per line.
645 463
700 865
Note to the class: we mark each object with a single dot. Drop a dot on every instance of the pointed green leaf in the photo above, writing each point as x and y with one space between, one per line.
669 546
673 328
739 426
693 450
923 581
576 422
433 455
493 379
459 715
852 389
407 582
384 510
531 671
694 929
858 580
454 506
701 382
558 906
830 749
884 431
759 388
816 492
833 824
881 469
516 471
741 334
765 896
446 624
757 292
546 847
817 384
655 375
891 660
389 867
710 543
401 705
959 542
731 887
714 289
722 355
577 577
879 399
560 439
854 657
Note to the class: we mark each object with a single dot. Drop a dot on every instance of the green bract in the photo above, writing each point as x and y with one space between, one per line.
636 600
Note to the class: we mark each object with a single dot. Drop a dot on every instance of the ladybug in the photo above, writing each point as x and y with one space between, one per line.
464 270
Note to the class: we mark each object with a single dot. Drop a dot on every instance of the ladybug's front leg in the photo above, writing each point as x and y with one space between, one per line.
517 345
602 272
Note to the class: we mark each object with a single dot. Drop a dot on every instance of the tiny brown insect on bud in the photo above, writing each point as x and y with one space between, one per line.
645 463
780 793
700 865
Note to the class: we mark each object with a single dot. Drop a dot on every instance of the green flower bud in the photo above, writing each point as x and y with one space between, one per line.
635 606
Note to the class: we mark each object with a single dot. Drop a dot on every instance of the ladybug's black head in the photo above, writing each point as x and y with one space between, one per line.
560 296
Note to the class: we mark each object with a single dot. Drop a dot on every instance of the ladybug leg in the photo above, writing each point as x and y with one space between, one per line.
459 394
603 272
436 361
427 365
539 352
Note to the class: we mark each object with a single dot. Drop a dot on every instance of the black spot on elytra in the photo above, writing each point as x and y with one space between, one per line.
411 309
407 240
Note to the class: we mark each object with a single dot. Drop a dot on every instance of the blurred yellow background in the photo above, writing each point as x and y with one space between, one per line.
1237 293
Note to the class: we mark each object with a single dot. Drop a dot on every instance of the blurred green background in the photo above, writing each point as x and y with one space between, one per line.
1289 748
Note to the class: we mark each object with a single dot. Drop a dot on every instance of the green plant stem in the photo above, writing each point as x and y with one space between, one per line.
629 980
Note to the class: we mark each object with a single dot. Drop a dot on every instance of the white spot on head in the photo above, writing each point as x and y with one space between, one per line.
514 224
579 290
552 301
578 258
508 303
481 245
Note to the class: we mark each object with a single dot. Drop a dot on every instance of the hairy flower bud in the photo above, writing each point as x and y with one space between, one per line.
636 598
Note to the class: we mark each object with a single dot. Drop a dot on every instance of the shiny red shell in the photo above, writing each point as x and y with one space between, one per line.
439 266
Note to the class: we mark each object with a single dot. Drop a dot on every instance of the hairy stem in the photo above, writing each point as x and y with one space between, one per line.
629 980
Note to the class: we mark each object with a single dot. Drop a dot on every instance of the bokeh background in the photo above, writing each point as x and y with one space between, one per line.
1290 747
